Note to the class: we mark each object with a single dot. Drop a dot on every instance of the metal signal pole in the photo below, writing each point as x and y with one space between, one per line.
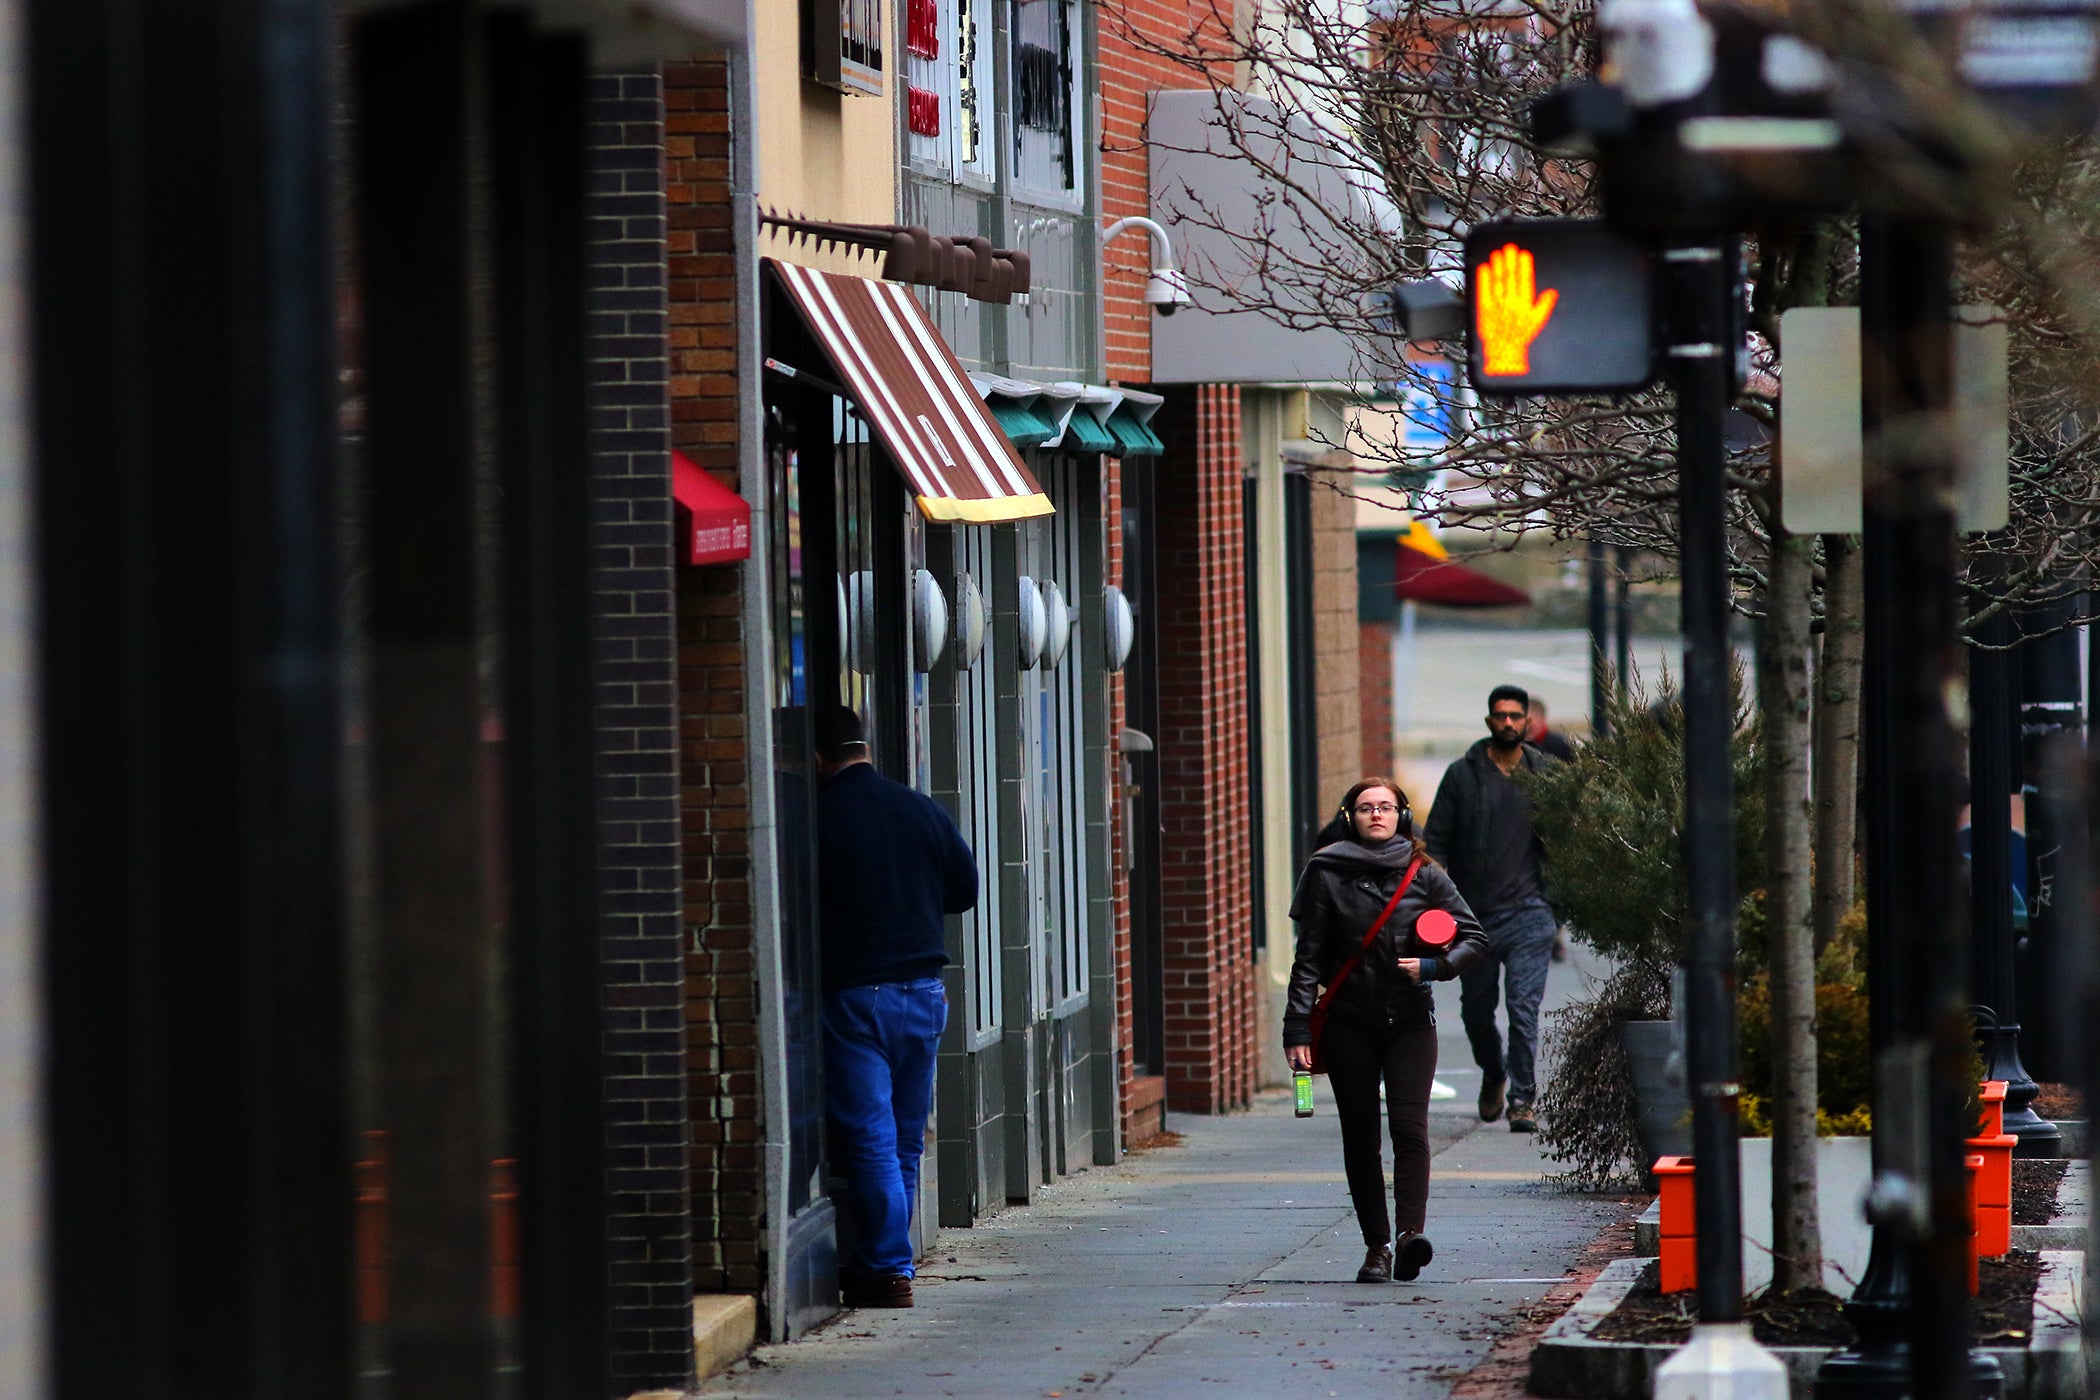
1702 280
1921 1090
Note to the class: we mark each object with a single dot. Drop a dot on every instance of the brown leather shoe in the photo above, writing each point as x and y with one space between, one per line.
1378 1265
1491 1100
1415 1252
1521 1119
889 1291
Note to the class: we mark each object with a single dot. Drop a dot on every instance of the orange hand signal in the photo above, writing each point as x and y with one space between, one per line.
1507 315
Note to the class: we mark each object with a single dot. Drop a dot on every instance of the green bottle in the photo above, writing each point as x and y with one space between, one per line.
1302 1080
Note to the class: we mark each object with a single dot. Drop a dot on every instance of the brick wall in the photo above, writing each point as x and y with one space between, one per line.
1374 664
1337 675
1137 41
1118 861
714 780
1145 46
1205 894
638 783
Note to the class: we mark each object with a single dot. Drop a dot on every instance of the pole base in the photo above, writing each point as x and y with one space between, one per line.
1722 1361
2038 1137
1878 1373
1883 1373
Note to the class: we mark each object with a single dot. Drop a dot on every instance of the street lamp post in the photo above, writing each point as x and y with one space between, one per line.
1992 743
1721 1358
1878 1364
1622 623
1600 639
1911 1307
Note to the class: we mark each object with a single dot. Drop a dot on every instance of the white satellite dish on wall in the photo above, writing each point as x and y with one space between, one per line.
1035 624
1057 617
929 620
1118 628
969 622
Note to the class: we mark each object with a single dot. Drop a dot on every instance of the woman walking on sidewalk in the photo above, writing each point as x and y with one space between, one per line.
1358 907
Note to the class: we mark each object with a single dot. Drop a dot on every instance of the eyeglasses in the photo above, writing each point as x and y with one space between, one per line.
1375 809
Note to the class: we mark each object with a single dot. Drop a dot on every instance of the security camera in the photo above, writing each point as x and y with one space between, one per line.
1166 290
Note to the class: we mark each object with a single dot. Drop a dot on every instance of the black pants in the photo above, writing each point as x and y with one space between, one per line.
1356 1057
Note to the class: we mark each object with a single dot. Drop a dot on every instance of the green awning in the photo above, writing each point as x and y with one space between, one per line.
1084 433
1023 425
1133 437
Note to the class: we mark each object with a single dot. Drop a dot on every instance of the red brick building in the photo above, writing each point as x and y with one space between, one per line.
1137 829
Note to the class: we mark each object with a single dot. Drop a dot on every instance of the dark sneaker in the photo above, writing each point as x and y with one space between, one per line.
1378 1265
889 1291
1521 1119
1415 1252
1491 1100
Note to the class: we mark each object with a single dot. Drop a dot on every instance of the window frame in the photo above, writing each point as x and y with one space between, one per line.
961 29
1023 183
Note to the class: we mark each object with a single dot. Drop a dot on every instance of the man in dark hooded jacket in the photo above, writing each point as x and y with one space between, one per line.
1480 828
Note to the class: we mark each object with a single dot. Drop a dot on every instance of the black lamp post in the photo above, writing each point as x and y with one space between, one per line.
1600 638
1911 1308
1701 281
1991 784
1622 622
1878 1364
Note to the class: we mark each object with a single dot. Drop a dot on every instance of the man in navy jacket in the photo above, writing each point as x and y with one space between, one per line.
890 867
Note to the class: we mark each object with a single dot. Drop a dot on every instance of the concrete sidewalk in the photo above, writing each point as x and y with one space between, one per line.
1221 1267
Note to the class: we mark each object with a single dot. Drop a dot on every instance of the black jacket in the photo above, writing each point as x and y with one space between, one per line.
1341 892
890 864
1458 831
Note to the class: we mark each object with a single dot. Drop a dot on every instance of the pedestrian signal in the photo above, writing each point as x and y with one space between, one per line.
1558 306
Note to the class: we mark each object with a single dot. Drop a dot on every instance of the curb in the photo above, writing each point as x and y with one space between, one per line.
724 1327
1570 1364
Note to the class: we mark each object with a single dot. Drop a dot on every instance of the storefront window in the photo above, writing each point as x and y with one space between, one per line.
1046 97
948 87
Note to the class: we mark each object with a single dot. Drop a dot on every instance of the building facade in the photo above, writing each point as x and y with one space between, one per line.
590 402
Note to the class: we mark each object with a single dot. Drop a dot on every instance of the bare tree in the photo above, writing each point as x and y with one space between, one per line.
1381 133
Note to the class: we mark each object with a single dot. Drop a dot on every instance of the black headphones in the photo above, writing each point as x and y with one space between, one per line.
1407 816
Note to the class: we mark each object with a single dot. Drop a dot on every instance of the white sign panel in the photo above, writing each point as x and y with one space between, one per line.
1821 443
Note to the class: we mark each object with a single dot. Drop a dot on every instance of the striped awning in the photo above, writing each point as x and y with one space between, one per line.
905 381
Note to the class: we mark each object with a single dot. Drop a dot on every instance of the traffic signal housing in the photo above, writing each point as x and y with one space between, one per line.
1558 306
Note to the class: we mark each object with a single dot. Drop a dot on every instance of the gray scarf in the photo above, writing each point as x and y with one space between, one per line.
1348 856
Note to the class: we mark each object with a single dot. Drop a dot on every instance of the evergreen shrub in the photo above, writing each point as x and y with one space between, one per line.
1612 821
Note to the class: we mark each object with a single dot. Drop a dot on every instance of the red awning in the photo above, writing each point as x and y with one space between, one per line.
1422 578
907 383
721 519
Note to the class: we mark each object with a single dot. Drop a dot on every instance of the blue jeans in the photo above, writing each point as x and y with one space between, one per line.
1520 949
879 1047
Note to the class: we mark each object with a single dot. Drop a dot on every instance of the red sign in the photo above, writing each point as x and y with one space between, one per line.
719 519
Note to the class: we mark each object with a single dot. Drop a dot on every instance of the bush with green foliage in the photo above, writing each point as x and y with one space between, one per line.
1612 821
1844 1062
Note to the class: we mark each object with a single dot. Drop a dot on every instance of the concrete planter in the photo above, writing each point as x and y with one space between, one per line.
1569 1362
1662 1103
1844 1166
